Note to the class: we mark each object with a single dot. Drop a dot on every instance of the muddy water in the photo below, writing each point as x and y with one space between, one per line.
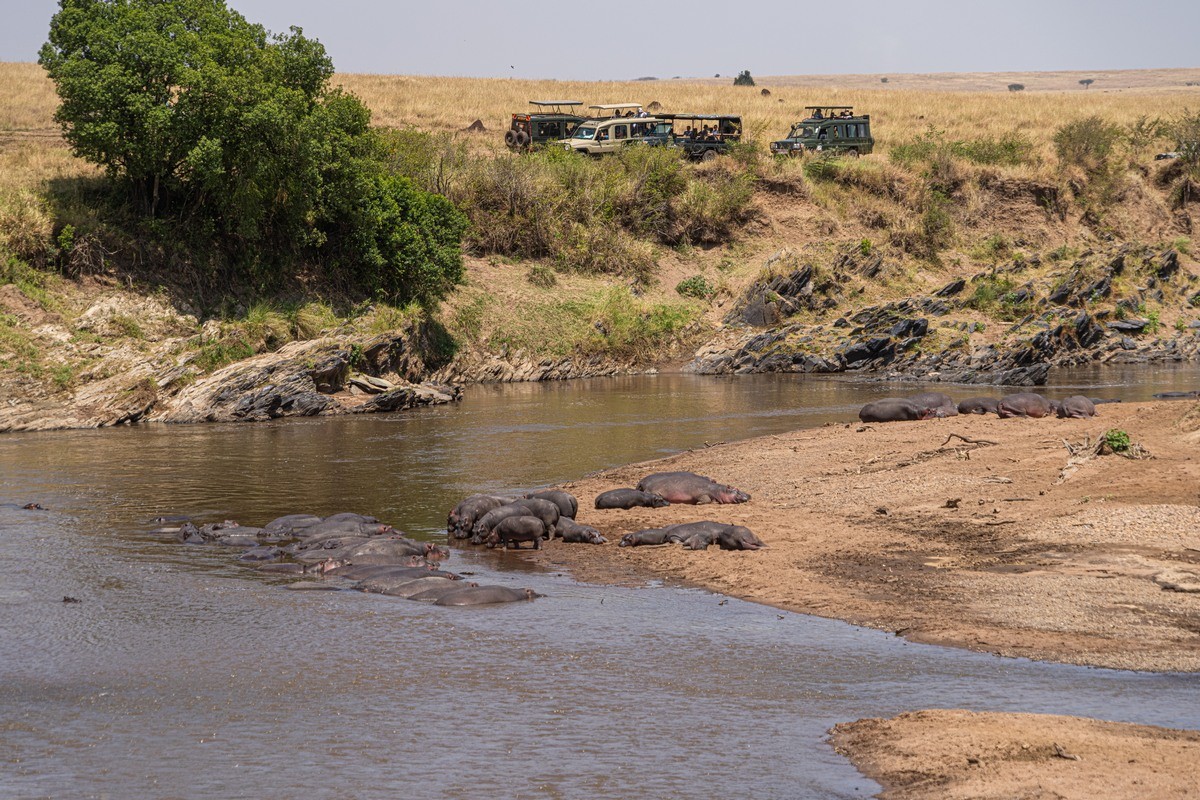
180 674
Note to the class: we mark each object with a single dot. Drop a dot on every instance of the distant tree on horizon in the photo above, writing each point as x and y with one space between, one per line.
1086 82
1016 87
743 79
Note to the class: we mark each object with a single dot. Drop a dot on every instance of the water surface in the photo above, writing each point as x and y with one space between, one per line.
181 674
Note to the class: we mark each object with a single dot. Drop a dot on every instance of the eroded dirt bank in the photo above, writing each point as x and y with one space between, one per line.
1016 548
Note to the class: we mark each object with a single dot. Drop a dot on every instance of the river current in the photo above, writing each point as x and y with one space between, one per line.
181 674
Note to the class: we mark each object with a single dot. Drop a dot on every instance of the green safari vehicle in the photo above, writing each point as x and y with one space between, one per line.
831 129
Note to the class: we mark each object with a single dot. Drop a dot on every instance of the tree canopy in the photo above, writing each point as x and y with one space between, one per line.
205 120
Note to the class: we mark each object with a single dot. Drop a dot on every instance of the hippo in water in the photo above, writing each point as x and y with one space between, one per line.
485 595
1024 404
630 498
1176 395
1076 407
688 487
435 593
979 405
514 530
568 505
941 403
461 520
894 409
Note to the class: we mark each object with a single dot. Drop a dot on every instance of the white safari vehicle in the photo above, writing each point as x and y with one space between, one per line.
615 125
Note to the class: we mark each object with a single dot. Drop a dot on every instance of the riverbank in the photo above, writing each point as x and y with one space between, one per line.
1003 542
970 532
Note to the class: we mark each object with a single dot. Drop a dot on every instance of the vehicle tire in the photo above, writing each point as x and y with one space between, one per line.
709 155
522 138
510 137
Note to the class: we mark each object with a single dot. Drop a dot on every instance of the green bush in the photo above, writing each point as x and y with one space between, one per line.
1117 440
1088 144
542 276
695 286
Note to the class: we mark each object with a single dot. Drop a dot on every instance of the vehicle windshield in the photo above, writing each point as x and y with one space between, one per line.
802 132
584 132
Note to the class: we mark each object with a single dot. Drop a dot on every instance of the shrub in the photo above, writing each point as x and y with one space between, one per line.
743 79
1088 144
1016 87
1117 440
542 276
695 286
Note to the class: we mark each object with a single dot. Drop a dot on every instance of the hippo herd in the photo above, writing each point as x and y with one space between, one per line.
494 521
928 405
348 551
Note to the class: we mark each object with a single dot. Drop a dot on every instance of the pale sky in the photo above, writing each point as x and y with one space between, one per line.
607 40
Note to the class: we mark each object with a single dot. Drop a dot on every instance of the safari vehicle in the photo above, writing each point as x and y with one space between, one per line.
835 129
603 135
703 137
550 125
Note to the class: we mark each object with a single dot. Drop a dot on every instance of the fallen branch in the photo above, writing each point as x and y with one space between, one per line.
968 440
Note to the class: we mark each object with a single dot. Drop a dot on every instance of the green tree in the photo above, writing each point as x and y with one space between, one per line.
232 135
743 79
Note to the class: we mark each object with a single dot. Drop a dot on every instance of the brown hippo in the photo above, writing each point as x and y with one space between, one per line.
688 487
738 537
979 405
485 595
1076 407
462 518
484 525
1176 395
514 530
630 498
385 584
894 409
544 510
1024 404
574 533
700 540
648 536
417 586
435 593
941 403
568 505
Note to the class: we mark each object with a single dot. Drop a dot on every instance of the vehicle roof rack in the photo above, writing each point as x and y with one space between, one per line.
556 102
808 108
611 106
676 115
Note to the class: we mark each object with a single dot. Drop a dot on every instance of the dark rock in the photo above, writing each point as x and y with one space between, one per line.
1133 325
951 289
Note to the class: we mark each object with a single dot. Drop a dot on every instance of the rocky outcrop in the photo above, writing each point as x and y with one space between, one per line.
1065 323
519 367
308 378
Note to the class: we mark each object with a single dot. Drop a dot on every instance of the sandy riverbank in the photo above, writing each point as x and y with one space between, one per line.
1009 544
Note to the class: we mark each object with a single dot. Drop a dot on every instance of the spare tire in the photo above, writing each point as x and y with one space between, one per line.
510 137
522 138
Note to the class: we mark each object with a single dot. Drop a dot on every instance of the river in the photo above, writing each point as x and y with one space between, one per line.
180 674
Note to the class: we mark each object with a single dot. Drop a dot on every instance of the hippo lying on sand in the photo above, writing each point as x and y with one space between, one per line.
1025 404
630 498
979 405
574 533
940 403
688 487
894 409
696 536
1076 407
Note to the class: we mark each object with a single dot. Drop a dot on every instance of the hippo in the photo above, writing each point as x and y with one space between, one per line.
435 593
417 586
388 584
1099 401
289 526
979 405
630 498
326 529
700 540
1076 407
383 560
568 505
462 519
516 530
485 595
647 536
349 516
383 546
941 403
484 525
280 568
688 487
544 510
361 572
738 537
262 553
188 533
1024 404
894 409
574 533
1176 395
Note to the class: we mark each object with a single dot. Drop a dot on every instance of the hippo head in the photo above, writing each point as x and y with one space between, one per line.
436 552
326 565
626 540
530 594
658 501
926 413
728 494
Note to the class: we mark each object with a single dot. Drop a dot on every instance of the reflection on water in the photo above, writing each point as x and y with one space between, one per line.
182 674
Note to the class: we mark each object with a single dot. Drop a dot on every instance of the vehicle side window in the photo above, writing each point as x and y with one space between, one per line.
620 132
837 130
851 131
